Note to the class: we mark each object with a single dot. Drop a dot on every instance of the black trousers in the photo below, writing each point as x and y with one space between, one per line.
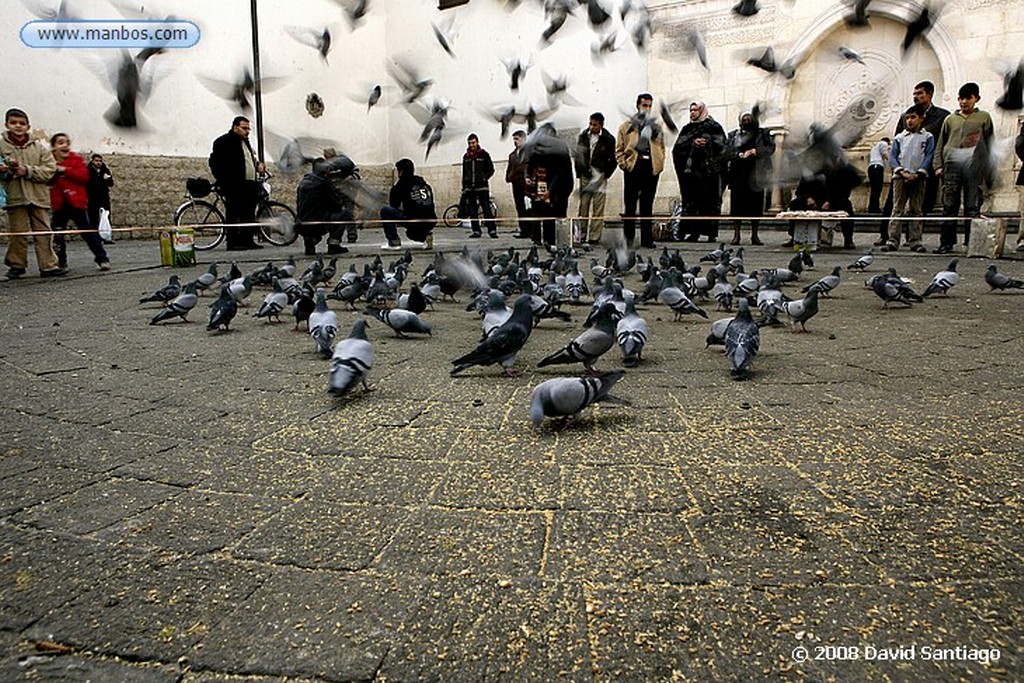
639 187
240 207
876 177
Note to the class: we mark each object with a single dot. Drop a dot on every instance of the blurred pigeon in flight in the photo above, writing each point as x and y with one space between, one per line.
316 38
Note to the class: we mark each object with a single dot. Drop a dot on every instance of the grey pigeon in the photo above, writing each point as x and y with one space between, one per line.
222 312
165 293
943 281
591 344
240 288
863 262
302 308
674 298
206 280
179 306
716 337
997 280
504 343
399 320
323 324
851 54
495 313
316 38
631 333
567 396
742 340
891 288
351 361
273 303
825 284
802 310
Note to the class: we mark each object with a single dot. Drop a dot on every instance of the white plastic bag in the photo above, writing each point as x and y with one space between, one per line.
105 230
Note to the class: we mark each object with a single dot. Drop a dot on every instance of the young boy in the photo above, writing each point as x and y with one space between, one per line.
911 157
960 164
28 165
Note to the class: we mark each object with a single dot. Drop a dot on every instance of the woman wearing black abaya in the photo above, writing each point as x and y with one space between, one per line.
698 156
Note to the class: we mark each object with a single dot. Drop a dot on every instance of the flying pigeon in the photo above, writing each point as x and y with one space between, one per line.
567 396
351 361
742 340
316 38
504 343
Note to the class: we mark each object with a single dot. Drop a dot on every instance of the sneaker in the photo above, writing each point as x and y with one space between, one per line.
391 247
14 273
103 265
413 244
943 249
918 248
888 247
56 272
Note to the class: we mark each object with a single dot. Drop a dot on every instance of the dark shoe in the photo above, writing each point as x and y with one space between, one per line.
888 247
788 243
309 251
14 273
335 249
475 235
103 265
756 242
56 272
735 242
352 239
492 235
849 245
943 249
918 248
879 243
62 264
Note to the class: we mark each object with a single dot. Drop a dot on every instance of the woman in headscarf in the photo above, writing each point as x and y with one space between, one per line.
698 157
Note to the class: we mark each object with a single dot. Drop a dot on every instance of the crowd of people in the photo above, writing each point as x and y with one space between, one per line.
933 154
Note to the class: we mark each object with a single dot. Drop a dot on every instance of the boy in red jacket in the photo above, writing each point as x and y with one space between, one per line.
69 201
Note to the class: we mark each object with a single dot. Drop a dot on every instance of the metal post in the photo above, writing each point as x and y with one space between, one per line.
257 90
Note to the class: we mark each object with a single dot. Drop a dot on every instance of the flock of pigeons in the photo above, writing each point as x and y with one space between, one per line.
540 285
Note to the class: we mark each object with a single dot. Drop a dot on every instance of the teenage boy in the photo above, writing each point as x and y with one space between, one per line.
960 164
910 158
26 166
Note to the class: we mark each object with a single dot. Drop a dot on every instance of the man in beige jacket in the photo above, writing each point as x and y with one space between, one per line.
640 153
26 165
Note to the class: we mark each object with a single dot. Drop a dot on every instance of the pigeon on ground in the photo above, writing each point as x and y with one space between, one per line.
943 281
863 262
179 306
891 288
302 308
222 311
351 361
997 280
802 310
631 333
742 340
273 303
323 324
716 337
593 343
206 280
504 343
567 396
825 284
166 293
399 320
495 313
674 298
240 289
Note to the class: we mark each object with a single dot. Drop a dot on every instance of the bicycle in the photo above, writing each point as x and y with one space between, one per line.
451 214
277 220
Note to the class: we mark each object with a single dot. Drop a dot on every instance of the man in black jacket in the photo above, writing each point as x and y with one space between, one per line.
1019 149
322 206
477 169
235 167
411 205
595 163
98 190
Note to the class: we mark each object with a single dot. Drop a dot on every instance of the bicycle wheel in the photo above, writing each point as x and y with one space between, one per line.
205 219
451 216
277 223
